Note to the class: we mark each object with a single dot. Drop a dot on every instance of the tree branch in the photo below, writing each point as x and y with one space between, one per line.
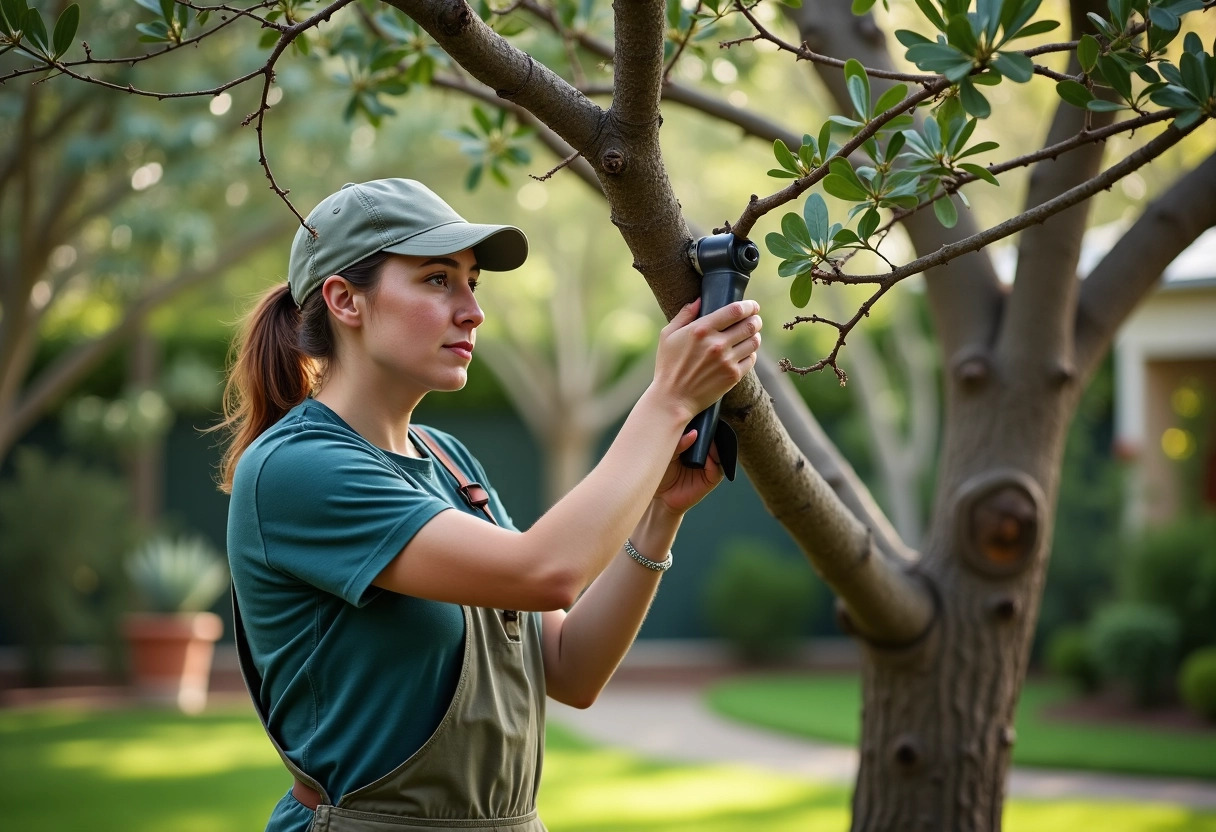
1134 265
1044 291
637 68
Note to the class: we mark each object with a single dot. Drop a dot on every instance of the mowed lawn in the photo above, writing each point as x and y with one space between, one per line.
152 771
828 707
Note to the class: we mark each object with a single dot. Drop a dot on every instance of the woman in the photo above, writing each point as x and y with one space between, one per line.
376 607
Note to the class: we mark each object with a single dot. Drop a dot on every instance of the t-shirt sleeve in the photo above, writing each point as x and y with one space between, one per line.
334 513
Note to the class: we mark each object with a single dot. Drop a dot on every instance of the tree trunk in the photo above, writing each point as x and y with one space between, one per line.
568 445
938 716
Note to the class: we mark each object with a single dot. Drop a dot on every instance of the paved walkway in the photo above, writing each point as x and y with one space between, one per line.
668 720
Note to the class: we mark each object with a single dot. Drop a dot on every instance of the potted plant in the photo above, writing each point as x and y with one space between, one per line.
172 639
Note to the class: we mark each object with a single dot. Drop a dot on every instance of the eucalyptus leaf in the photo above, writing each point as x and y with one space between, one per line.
974 101
1015 66
868 224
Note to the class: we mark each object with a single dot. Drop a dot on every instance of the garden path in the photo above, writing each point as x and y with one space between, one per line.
670 720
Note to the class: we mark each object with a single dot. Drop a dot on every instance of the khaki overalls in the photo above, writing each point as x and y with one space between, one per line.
481 767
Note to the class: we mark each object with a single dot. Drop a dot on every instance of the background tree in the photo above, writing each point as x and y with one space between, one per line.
946 629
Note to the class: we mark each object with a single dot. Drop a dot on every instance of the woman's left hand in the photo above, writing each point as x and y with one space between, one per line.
682 488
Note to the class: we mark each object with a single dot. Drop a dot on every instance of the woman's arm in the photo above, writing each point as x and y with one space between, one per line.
583 647
459 558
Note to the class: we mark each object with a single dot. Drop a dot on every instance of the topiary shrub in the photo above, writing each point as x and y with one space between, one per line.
1136 644
759 601
1069 656
1197 682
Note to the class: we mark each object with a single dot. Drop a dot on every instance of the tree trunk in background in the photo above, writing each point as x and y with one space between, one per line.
568 447
146 467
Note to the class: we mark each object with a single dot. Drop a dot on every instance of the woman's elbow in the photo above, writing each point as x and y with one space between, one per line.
582 698
557 589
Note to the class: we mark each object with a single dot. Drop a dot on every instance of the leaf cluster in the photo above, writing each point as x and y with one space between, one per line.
493 144
20 23
971 47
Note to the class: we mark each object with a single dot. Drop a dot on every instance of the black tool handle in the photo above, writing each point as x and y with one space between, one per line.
718 288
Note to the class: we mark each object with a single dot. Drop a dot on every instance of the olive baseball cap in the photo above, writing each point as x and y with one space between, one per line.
399 216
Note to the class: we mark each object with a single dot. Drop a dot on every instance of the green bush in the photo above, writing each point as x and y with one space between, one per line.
759 601
1174 566
1069 656
1197 682
1136 644
182 575
64 529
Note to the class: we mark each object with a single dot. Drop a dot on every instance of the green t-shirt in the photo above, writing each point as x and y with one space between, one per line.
354 678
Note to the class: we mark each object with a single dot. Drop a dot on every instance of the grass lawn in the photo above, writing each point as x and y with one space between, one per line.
140 771
828 708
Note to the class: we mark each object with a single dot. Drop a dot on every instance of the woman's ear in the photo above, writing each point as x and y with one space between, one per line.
344 302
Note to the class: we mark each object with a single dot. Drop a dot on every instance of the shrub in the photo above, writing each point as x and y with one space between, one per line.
1197 682
1069 656
759 601
1135 644
64 528
1174 566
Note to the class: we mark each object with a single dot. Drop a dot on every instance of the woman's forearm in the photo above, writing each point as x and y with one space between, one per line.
584 646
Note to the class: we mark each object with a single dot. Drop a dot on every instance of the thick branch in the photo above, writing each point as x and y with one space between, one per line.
885 603
1132 268
1038 321
513 74
637 68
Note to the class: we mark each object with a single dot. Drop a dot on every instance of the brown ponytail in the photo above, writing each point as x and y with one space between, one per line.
282 355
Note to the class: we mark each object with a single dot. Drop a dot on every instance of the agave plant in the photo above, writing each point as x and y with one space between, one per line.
178 575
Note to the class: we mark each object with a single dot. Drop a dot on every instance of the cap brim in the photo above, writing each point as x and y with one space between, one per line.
499 248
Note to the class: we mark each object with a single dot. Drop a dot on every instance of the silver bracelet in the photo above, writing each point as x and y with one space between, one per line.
656 566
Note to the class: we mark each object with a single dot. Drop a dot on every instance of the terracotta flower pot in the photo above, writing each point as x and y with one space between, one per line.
171 656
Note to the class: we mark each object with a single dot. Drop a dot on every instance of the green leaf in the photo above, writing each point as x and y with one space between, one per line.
789 268
842 168
35 29
1097 105
974 101
166 10
473 178
868 224
815 214
1087 52
860 7
929 10
1192 43
797 231
1174 97
1039 27
777 173
890 98
1193 77
1187 118
825 140
842 188
960 35
800 290
151 5
779 246
981 172
946 213
844 236
14 14
1023 13
65 29
1164 18
909 38
1015 66
1116 75
859 86
1074 93
483 121
982 147
268 39
784 157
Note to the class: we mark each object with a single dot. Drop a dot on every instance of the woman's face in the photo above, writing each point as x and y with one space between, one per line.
422 320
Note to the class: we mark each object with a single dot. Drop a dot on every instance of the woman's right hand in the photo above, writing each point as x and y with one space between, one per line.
700 359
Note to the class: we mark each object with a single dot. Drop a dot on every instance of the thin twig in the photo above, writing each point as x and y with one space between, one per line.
556 168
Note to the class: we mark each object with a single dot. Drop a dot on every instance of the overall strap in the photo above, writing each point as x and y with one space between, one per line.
474 494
